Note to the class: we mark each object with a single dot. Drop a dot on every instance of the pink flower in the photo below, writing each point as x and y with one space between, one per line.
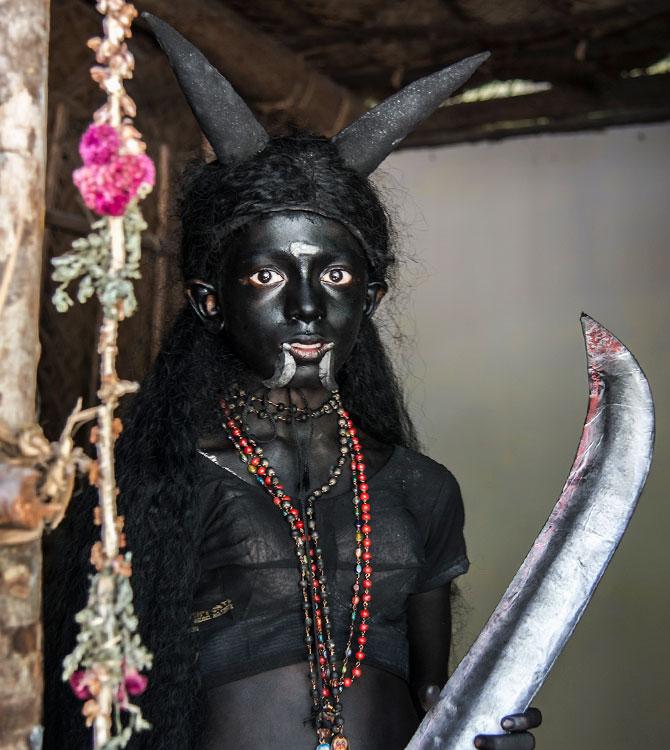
99 144
135 682
79 682
108 188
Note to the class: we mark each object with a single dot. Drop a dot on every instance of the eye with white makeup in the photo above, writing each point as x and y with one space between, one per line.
266 277
337 277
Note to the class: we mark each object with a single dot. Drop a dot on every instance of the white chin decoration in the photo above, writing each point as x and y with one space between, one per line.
285 368
326 374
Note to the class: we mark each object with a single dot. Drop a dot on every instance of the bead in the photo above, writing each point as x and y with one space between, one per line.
356 672
364 496
360 655
252 469
367 597
365 613
347 682
363 487
365 507
367 583
367 570
362 640
367 543
255 461
366 517
363 627
248 450
367 556
366 529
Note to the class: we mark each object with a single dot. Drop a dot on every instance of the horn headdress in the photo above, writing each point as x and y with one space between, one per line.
235 134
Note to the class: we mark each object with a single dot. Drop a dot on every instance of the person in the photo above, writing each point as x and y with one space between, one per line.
293 552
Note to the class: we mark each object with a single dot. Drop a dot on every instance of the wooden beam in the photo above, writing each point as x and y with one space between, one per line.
631 100
273 79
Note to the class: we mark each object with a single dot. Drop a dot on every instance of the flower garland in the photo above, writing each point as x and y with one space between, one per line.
104 670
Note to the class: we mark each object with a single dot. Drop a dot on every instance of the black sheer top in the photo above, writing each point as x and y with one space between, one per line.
248 604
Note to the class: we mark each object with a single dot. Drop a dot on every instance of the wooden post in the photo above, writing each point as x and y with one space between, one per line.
24 35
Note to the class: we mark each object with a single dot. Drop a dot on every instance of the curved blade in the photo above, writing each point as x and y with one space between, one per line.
527 631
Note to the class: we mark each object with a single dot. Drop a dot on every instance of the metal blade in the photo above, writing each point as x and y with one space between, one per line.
510 659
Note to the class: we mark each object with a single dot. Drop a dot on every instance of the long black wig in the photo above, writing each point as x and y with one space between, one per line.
177 405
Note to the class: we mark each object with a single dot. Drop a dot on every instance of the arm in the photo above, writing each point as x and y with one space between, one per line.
429 635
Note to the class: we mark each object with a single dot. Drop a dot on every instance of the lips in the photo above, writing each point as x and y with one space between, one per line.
308 352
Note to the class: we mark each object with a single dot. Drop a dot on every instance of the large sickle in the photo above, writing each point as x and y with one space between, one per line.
509 661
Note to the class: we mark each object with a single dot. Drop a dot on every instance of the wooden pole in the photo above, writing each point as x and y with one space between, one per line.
24 37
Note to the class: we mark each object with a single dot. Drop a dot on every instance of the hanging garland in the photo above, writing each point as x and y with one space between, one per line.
105 668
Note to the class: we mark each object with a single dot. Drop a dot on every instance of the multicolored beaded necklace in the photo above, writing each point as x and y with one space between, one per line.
327 682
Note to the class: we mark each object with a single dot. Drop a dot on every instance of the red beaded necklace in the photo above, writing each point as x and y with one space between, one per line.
327 682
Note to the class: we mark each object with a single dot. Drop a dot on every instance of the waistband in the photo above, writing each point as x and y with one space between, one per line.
258 645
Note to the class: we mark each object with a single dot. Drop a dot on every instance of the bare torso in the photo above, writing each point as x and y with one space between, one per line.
272 710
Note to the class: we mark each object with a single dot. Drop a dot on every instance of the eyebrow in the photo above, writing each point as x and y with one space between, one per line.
303 248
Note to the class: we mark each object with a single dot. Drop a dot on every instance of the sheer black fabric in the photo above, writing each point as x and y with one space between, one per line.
249 566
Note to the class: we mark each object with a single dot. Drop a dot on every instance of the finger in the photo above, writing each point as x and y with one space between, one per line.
520 741
529 719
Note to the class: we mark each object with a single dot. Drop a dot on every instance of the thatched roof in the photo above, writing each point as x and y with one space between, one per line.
317 63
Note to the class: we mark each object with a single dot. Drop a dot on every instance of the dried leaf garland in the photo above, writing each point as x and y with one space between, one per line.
105 668
90 261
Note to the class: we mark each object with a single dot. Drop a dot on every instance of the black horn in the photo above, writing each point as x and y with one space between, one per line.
370 139
229 125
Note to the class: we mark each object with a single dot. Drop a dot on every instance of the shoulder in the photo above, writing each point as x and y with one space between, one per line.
414 468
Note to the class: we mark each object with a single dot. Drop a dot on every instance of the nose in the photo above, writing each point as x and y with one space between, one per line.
304 303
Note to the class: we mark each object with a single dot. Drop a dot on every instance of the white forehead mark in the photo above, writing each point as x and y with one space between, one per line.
302 248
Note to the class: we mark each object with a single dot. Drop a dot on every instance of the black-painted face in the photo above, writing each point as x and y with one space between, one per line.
297 281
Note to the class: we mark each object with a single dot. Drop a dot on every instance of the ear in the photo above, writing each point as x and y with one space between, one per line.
373 296
205 302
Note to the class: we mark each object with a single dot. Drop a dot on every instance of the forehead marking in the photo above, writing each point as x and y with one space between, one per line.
303 248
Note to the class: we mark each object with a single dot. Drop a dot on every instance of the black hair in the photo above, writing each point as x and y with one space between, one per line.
177 404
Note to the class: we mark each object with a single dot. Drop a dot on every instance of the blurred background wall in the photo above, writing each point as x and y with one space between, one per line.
506 244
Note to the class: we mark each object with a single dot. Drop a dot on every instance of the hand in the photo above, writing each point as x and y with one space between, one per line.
517 738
